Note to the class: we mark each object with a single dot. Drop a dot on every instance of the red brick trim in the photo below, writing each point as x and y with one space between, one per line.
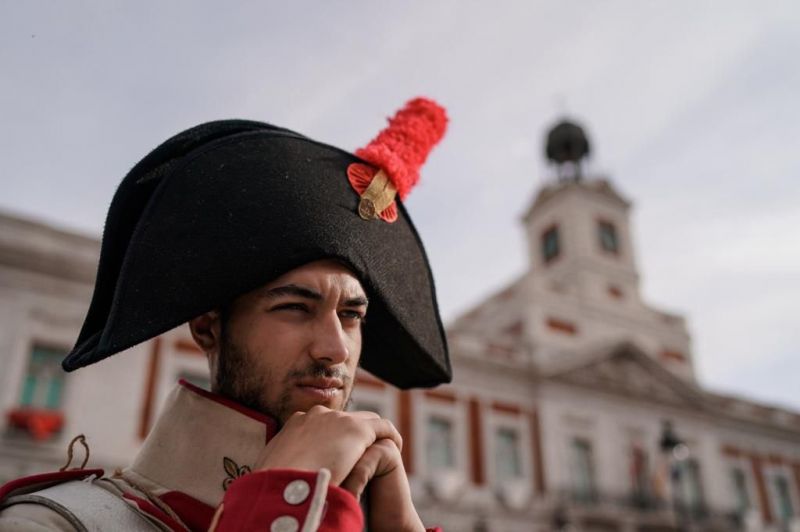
730 450
562 326
538 462
498 350
615 292
145 418
515 329
672 355
441 395
763 498
366 381
506 408
405 415
505 294
476 443
183 345
775 459
796 471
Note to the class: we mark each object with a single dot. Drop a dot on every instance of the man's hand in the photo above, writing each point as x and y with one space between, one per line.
390 506
326 438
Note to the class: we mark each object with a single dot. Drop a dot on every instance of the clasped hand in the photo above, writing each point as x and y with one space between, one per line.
357 448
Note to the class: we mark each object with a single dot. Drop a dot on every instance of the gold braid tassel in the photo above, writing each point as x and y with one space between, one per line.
379 195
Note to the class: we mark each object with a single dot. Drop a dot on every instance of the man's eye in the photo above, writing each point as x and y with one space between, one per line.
300 307
352 315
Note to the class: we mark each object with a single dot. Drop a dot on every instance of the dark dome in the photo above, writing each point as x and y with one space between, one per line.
566 142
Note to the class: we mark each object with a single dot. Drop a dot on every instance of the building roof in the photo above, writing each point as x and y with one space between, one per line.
39 247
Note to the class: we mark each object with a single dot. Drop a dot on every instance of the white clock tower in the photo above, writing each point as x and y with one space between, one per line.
583 285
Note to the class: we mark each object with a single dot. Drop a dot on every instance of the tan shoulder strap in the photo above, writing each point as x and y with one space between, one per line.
87 507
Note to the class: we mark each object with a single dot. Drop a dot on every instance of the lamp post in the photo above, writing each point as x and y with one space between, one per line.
675 452
560 519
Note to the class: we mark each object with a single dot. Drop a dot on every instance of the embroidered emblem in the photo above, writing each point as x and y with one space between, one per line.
233 471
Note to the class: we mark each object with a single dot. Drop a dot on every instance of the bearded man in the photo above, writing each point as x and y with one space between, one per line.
293 262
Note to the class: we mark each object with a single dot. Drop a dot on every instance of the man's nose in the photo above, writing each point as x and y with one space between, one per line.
330 341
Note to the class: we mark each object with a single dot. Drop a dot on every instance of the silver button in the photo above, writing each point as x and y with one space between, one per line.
296 491
285 523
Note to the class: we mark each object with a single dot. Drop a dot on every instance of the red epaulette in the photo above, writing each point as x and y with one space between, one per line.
44 480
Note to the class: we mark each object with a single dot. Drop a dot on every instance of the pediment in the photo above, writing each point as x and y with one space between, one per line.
627 371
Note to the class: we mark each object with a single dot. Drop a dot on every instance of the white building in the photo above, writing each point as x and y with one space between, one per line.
574 405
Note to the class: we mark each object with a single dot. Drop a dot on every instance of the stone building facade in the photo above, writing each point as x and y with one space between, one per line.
574 406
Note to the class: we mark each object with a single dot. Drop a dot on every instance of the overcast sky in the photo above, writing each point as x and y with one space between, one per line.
693 109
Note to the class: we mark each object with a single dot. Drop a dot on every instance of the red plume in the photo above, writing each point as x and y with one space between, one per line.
401 149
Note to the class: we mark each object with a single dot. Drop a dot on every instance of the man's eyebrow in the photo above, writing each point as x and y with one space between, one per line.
291 290
307 293
357 301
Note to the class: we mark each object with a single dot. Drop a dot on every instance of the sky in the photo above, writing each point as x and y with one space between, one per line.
691 107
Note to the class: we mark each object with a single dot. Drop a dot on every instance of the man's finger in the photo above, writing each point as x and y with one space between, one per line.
365 414
363 471
385 429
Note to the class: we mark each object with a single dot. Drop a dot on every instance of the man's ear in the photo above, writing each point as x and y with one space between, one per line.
207 332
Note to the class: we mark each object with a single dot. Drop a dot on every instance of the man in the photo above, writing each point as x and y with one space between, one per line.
293 262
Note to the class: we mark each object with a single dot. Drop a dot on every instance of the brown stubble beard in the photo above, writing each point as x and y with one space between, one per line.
235 380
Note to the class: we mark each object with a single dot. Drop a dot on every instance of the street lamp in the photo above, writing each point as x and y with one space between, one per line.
675 451
560 519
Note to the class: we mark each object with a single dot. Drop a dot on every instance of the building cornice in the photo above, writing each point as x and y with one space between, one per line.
31 246
598 187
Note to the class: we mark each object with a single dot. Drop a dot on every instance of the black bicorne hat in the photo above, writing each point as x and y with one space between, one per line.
227 206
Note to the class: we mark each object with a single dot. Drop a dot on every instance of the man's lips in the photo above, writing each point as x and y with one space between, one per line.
321 382
321 388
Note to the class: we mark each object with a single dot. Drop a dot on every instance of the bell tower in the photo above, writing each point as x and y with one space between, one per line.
582 277
579 229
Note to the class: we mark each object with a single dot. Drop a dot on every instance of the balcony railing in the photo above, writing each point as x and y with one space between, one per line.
648 505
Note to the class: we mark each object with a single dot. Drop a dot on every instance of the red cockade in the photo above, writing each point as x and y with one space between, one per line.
400 150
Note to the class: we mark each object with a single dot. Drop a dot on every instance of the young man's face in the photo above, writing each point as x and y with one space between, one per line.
293 343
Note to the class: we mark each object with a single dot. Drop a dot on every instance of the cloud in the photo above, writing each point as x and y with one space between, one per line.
691 108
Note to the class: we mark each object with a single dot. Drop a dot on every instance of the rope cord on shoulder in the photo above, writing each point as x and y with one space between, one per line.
80 438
